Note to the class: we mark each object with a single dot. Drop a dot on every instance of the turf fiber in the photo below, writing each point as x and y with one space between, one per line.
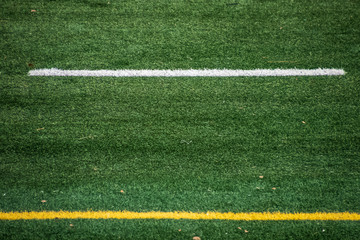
288 144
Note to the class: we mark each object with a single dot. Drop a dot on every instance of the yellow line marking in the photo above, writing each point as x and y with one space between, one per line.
251 216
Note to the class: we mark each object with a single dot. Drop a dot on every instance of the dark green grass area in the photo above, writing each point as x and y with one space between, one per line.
177 229
97 34
179 144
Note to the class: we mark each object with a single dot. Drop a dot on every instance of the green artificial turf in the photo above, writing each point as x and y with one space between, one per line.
177 229
179 144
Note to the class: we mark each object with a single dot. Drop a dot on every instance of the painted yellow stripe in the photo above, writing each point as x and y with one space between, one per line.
252 216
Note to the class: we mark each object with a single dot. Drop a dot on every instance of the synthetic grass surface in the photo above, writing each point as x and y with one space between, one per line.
180 144
170 229
192 144
102 34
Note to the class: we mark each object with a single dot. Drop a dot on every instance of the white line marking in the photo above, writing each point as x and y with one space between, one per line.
188 72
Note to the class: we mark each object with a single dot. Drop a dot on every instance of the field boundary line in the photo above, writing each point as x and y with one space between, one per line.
251 216
188 72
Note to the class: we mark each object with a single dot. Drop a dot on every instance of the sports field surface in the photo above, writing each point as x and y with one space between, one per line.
157 127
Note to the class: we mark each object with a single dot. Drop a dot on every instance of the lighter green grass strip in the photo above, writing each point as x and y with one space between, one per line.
252 216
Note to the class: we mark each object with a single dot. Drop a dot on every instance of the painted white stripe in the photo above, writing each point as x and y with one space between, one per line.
188 73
